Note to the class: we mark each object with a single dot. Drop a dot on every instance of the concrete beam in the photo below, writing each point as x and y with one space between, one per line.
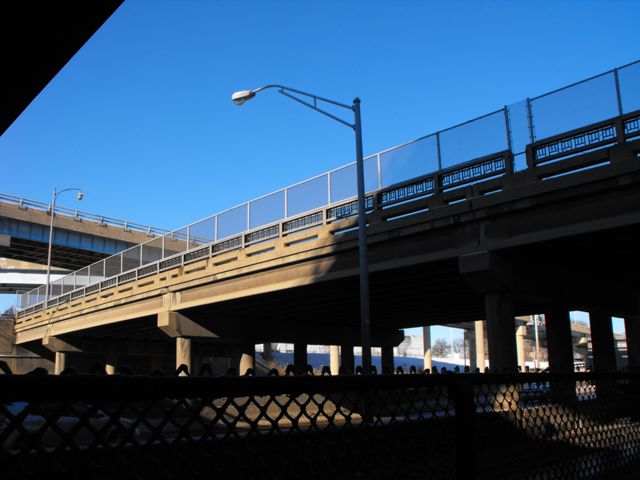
485 271
175 324
57 345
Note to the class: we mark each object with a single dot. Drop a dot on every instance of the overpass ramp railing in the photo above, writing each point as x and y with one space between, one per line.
591 114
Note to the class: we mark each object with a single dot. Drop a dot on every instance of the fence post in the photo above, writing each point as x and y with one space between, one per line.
619 123
532 136
462 393
508 160
438 151
618 93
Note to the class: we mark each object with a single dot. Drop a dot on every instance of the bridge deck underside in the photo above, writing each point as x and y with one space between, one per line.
68 258
414 296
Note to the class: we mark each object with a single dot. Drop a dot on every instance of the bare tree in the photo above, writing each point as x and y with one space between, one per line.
404 347
440 348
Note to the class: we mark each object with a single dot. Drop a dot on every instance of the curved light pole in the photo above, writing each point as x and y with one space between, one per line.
80 196
242 96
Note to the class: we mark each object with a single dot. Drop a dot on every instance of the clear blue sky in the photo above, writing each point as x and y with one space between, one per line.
141 117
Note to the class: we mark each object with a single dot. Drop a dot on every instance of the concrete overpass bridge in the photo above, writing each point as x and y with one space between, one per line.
541 216
80 239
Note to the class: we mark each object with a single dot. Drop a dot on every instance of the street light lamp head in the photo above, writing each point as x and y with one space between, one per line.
80 195
242 96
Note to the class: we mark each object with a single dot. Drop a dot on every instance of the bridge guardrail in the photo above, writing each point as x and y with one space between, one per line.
80 215
538 130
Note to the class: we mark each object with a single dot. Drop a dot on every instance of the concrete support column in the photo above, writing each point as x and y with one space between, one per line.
300 357
559 342
500 331
426 347
470 339
111 363
183 353
480 351
632 331
246 360
267 352
521 332
334 359
347 358
60 362
386 360
604 353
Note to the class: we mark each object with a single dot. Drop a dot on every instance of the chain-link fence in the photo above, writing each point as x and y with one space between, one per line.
410 426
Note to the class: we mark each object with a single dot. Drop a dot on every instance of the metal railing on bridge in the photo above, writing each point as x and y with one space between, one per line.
591 114
527 426
79 215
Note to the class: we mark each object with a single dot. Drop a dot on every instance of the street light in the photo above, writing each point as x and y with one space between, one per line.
80 196
242 96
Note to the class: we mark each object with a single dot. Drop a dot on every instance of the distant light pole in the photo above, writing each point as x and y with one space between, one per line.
80 196
240 98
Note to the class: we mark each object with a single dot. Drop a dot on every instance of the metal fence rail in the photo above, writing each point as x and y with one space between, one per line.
80 215
450 158
525 426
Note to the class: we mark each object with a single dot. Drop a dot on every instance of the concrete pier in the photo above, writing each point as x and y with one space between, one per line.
604 354
60 362
426 342
386 360
300 357
559 343
632 332
334 359
347 358
480 349
500 332
183 353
